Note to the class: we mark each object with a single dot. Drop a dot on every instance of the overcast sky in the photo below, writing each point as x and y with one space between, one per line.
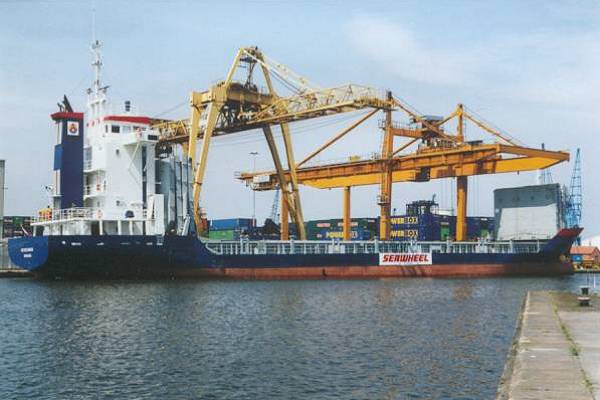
532 68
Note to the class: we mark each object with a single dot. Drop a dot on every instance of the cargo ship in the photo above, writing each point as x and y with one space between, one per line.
121 208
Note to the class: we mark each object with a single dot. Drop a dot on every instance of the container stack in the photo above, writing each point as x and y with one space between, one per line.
229 229
432 227
327 229
16 226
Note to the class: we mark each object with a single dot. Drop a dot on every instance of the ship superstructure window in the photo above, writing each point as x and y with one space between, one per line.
126 129
106 128
115 128
87 157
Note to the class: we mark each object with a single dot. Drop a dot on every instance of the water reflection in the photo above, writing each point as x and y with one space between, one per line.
407 338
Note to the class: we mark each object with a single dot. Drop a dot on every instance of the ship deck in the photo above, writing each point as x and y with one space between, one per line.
248 247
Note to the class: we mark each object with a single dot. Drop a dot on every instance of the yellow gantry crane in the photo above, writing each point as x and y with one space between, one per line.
439 155
232 106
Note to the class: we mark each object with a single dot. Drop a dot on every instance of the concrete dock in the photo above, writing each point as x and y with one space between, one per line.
14 273
556 350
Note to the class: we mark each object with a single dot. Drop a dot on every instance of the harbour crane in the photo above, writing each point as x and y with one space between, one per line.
575 196
235 105
440 155
232 106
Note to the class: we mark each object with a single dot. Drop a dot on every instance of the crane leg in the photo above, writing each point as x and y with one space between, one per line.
284 230
347 219
295 193
190 148
213 112
385 194
462 184
286 196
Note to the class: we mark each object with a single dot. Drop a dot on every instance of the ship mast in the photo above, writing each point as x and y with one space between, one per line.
97 93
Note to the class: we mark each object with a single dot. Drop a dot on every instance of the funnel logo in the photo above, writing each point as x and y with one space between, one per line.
72 128
405 259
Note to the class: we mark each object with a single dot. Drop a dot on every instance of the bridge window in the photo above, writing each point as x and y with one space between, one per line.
115 128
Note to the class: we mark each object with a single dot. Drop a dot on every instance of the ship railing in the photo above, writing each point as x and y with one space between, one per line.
247 247
82 213
48 215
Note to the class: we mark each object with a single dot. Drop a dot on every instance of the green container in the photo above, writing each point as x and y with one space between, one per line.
229 234
444 232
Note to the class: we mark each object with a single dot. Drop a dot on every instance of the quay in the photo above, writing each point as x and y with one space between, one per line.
14 273
7 269
556 350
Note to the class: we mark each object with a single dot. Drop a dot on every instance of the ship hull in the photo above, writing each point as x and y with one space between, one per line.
376 271
175 257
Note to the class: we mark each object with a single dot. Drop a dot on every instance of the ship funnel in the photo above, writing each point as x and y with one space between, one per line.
127 106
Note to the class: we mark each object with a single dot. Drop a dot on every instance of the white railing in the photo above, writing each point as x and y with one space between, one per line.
84 213
244 246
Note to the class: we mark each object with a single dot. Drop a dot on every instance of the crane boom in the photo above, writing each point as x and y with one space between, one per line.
234 105
341 99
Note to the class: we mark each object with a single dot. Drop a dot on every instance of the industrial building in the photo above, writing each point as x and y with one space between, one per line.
585 256
529 212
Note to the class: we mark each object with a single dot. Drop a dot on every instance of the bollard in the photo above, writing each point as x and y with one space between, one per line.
584 301
585 290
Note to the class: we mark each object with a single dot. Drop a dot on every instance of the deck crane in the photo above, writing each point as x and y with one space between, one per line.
232 106
440 155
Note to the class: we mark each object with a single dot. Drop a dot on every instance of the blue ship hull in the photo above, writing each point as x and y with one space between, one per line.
117 257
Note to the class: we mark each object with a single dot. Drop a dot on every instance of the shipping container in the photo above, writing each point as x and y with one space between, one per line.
231 223
445 232
12 226
317 229
224 234
355 234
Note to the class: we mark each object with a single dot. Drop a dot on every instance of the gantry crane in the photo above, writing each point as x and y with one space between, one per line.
232 106
440 155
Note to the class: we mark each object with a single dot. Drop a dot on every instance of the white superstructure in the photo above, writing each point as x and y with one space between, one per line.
120 171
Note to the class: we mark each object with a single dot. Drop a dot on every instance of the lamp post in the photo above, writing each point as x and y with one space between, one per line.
254 154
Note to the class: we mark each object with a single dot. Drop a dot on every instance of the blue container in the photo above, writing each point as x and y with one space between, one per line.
356 233
231 223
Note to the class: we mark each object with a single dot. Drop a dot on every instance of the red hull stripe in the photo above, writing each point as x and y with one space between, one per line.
124 118
374 272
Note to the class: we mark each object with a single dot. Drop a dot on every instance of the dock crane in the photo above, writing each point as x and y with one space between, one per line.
574 196
439 155
232 106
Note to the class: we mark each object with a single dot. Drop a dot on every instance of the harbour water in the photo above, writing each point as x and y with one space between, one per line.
380 339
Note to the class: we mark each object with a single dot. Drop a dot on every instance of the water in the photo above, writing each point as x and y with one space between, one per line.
382 339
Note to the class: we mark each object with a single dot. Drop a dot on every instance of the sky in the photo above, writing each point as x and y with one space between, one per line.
532 68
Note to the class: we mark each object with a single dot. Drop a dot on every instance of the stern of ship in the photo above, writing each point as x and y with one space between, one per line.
30 253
